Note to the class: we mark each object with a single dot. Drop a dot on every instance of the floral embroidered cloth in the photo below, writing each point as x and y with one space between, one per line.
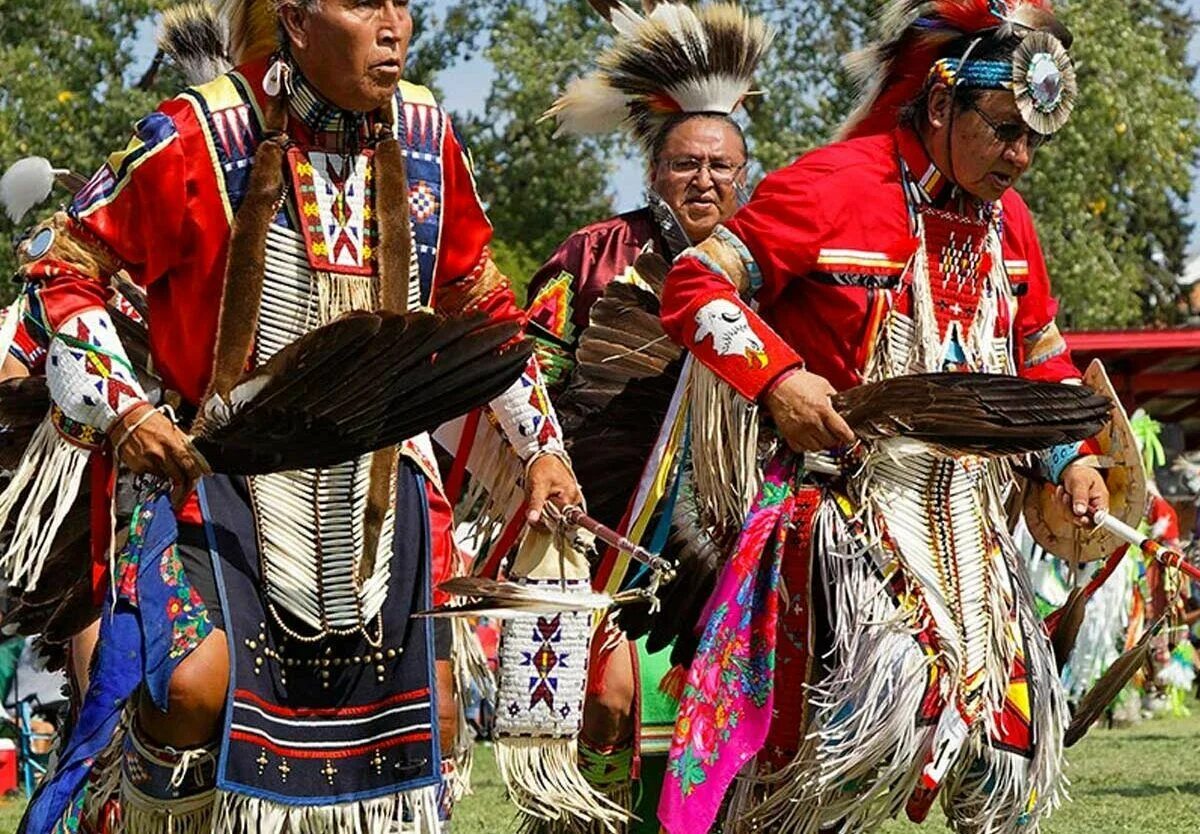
725 712
155 621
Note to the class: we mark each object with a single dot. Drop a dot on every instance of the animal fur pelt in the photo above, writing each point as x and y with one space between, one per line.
676 59
914 34
979 414
194 37
358 384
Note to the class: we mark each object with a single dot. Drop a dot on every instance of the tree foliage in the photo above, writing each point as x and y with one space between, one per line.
1109 193
805 92
539 188
68 83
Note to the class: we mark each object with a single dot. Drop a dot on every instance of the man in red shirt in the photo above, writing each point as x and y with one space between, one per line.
291 683
900 249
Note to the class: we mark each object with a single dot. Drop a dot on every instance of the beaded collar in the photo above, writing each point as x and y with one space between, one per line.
329 125
925 186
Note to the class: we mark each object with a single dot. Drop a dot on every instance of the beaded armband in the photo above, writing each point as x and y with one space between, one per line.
1056 459
527 417
91 380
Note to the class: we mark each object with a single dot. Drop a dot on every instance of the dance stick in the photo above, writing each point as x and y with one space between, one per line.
575 517
1155 550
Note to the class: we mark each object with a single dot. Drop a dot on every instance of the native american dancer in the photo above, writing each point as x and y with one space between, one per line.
696 161
883 575
258 668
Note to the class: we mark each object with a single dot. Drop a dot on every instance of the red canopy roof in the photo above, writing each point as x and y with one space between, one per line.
1158 370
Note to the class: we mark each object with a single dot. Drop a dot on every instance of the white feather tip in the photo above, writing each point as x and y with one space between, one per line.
589 107
26 183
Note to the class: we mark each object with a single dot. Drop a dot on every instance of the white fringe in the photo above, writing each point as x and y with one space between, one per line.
340 294
191 816
48 480
863 730
544 782
724 451
412 812
471 668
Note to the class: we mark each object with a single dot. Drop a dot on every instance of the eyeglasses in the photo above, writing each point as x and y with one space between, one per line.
722 171
1010 133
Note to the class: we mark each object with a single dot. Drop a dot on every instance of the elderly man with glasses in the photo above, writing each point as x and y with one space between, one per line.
696 167
696 172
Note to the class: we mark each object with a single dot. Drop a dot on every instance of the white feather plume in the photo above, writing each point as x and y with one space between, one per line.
678 59
626 21
26 183
682 23
588 107
715 94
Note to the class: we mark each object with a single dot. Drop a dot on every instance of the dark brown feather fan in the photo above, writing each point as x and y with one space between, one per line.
980 414
23 405
358 384
619 393
1110 684
61 605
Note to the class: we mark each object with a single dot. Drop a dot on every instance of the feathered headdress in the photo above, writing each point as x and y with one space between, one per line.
669 61
920 38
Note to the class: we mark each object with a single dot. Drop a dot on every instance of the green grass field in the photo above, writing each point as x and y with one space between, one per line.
1144 780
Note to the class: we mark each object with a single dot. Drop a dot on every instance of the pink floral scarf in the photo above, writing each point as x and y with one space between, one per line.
725 712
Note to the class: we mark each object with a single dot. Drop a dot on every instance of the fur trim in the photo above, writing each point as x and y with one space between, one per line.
395 226
242 295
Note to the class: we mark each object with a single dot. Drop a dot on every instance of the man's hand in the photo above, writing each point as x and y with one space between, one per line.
549 479
1083 491
804 415
157 447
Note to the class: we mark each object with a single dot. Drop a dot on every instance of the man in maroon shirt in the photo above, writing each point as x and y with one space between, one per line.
697 160
697 169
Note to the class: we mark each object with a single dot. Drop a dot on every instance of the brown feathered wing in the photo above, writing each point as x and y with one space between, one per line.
358 384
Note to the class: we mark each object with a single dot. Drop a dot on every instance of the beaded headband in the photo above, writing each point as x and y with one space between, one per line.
1040 75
